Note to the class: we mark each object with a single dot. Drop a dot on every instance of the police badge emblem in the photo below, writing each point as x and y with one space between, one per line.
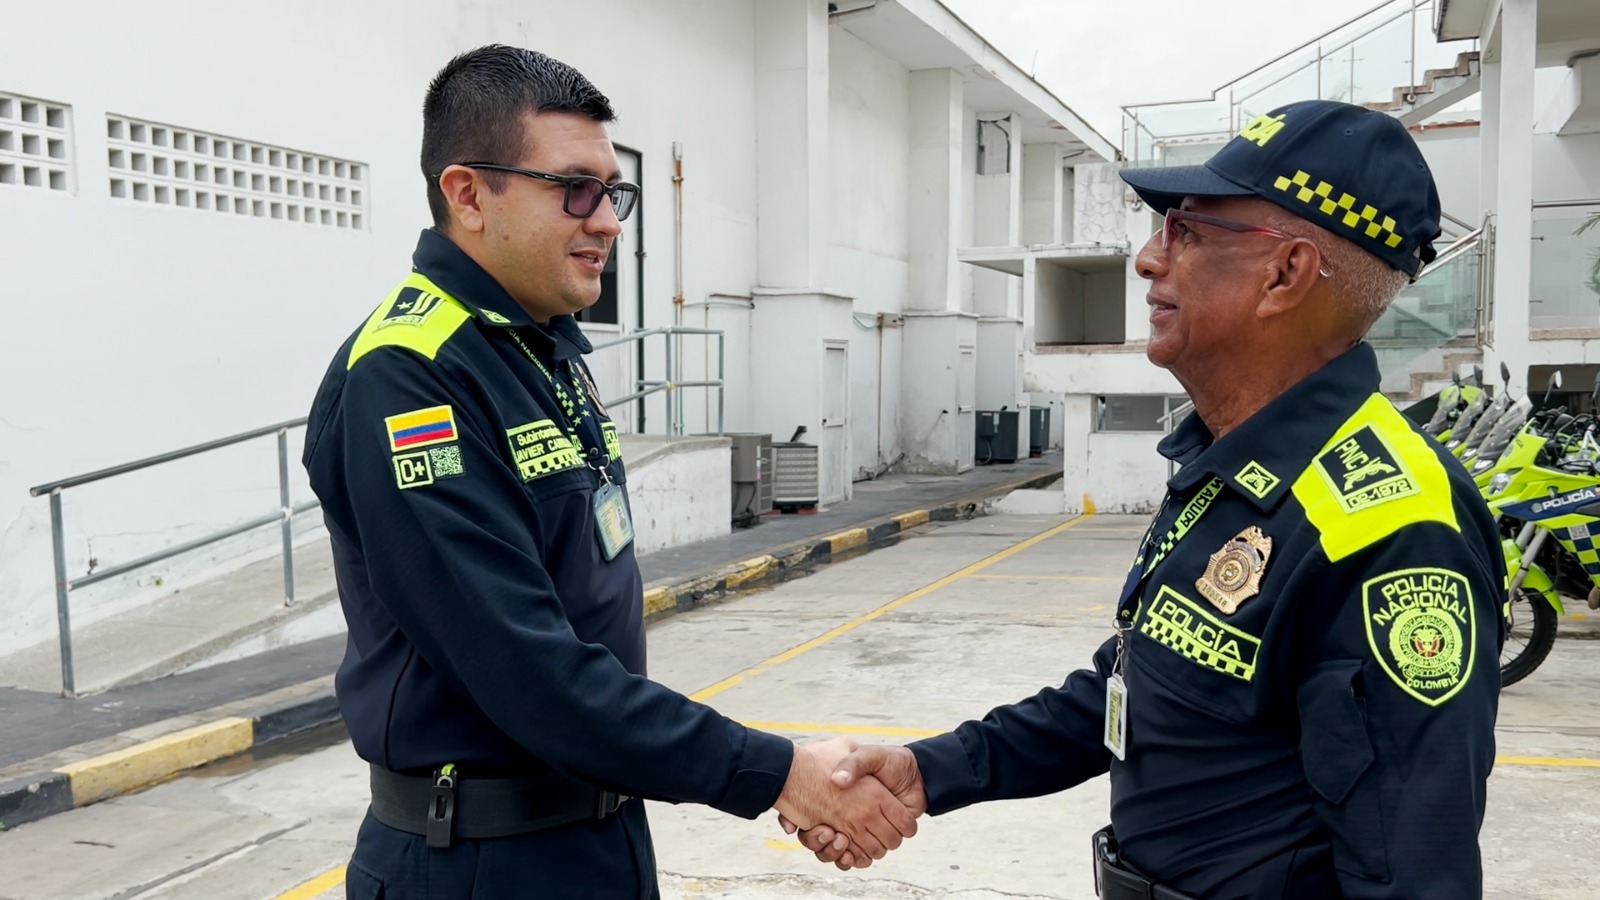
1234 573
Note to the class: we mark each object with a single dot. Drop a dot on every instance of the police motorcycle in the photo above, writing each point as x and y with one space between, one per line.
1556 495
1486 423
1485 460
1451 403
1454 436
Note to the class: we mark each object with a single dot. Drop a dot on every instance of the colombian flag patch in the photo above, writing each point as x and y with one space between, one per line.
420 428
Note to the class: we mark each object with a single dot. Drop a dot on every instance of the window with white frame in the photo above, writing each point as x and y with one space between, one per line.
35 143
181 167
1138 412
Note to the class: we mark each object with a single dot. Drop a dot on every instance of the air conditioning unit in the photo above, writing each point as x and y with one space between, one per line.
795 476
752 476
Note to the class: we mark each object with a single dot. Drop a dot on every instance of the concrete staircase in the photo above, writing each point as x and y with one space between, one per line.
1440 89
1429 372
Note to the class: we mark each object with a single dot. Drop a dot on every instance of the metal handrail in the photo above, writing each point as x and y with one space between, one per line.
287 510
648 388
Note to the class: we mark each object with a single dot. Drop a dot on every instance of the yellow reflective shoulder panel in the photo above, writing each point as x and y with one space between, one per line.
1374 477
418 315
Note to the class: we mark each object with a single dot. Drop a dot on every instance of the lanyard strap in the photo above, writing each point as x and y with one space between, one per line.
573 411
1147 560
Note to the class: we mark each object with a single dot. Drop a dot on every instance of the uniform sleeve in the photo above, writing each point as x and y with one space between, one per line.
451 541
1047 743
1397 709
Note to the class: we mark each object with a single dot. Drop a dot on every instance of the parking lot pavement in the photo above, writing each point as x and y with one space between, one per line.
901 643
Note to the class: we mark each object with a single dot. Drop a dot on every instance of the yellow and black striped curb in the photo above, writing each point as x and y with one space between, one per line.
122 771
789 560
128 769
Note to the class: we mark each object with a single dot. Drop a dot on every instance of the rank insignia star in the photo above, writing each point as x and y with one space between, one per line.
1233 574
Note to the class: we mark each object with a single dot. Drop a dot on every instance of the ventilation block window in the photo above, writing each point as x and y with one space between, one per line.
35 143
182 167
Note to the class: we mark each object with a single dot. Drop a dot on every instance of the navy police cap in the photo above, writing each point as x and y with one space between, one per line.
1354 171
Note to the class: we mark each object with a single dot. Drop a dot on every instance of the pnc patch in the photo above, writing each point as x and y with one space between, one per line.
1423 629
1363 471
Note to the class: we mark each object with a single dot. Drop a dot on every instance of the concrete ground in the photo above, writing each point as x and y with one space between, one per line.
900 643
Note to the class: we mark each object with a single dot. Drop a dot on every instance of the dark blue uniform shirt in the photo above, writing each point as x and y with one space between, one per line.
486 628
1312 665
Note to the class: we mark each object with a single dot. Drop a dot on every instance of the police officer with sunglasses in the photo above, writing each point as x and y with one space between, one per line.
1299 698
476 499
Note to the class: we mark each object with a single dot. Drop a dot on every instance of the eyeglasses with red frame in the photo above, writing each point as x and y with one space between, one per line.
1176 219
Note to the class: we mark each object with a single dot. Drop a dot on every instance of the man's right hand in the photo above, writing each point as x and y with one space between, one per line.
896 768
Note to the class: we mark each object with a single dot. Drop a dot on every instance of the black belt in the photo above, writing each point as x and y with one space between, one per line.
1116 880
447 806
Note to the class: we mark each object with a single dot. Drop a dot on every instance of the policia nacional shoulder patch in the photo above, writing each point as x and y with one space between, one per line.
1423 630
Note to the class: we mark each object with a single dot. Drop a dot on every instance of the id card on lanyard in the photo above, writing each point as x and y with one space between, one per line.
613 523
1151 554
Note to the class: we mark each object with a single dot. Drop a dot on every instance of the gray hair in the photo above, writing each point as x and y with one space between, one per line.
1362 282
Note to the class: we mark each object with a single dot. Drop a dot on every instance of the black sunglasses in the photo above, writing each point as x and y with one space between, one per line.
583 192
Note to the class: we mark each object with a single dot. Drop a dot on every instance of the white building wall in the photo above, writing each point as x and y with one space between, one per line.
179 326
869 166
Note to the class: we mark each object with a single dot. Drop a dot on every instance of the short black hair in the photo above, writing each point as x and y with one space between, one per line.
474 109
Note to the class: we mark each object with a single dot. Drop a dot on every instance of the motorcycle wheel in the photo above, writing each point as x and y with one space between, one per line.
1530 633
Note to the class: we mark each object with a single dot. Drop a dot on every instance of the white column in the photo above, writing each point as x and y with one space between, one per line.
792 143
935 200
1513 264
1041 194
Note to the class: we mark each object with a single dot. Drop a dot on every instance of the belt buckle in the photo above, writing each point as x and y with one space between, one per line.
442 808
606 803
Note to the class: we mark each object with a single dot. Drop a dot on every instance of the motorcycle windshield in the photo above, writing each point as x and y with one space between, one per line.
1505 429
1486 422
1449 401
1469 417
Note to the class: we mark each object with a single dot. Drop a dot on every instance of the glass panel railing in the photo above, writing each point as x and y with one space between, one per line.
1566 270
1438 311
1360 61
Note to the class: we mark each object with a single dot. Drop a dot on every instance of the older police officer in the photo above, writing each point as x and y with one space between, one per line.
1300 696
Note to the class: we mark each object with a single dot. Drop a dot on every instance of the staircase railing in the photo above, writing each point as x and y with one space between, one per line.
1360 60
284 515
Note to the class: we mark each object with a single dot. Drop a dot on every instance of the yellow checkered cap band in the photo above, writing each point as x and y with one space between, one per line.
1344 209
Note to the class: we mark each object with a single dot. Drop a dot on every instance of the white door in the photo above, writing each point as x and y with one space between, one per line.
833 449
966 412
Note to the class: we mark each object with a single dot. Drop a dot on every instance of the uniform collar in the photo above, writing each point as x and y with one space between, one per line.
448 266
1263 456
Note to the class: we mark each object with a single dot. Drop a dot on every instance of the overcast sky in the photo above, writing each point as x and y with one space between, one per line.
1098 56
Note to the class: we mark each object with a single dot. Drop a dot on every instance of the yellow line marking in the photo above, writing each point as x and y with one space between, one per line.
656 600
1101 578
1575 762
775 844
121 771
912 519
785 656
847 540
321 884
820 728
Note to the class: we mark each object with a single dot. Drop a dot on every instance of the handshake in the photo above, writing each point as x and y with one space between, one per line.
851 804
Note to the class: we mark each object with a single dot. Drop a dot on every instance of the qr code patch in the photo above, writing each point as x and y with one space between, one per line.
446 461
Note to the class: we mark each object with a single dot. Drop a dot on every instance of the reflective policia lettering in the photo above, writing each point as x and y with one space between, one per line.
1180 625
1423 589
540 448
